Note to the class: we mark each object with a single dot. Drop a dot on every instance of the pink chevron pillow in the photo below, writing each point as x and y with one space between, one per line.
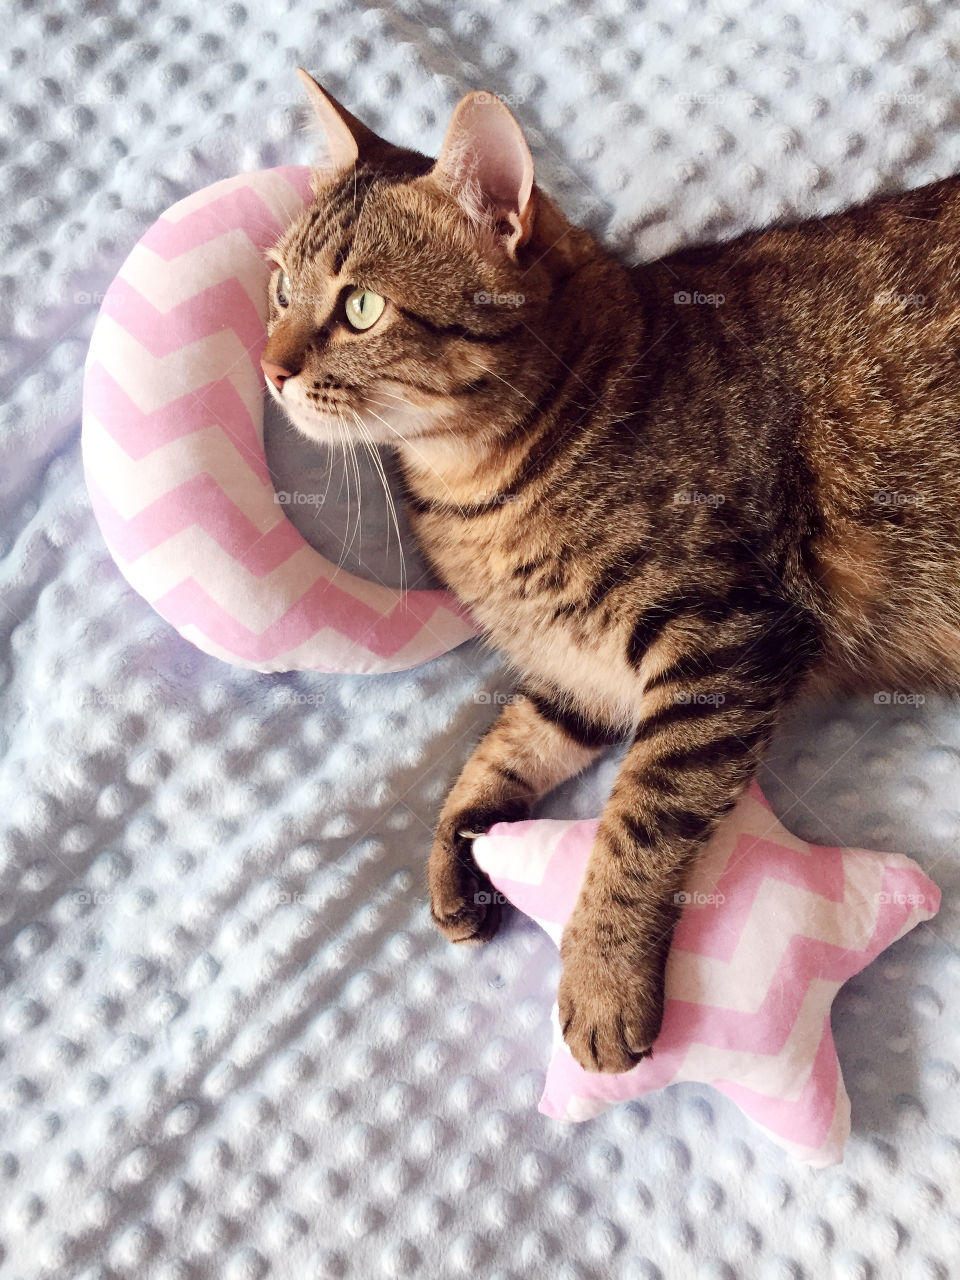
771 929
172 445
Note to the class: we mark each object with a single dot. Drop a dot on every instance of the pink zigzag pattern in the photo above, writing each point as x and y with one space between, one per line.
139 434
324 605
803 959
198 501
753 860
805 1120
240 207
163 332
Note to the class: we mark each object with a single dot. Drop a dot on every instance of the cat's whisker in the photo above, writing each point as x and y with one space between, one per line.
446 423
329 480
407 444
346 473
391 506
359 478
404 400
516 390
401 382
351 451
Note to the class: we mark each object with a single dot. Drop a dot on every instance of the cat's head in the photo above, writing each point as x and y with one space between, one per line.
405 301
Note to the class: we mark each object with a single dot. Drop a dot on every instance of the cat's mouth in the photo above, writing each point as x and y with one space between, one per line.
323 418
371 416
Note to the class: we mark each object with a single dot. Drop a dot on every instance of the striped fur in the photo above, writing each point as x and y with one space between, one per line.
671 516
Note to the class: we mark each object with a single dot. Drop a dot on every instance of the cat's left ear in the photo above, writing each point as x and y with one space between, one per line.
485 155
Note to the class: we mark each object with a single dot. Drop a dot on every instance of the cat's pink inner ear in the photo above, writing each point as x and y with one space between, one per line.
485 151
335 123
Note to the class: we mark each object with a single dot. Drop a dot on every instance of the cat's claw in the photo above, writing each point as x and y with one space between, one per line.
464 905
610 1010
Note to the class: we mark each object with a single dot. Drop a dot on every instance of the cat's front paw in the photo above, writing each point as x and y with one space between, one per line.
464 905
610 999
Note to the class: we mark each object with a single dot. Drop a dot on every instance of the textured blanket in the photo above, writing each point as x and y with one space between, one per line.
231 1043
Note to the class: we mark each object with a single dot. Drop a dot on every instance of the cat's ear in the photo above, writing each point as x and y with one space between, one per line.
485 156
347 137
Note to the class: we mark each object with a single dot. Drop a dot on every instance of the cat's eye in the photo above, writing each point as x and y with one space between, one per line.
363 307
283 289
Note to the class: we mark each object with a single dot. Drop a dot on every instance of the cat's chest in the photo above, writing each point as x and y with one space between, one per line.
533 603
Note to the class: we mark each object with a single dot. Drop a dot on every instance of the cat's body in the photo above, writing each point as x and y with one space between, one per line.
673 495
800 434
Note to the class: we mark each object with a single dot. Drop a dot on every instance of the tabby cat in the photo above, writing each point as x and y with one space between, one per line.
675 495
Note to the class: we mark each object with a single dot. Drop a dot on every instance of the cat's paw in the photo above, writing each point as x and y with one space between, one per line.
611 1005
464 905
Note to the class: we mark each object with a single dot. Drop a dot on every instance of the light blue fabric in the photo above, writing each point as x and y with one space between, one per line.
230 1041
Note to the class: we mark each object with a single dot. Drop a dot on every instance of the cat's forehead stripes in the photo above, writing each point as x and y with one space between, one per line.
338 207
335 212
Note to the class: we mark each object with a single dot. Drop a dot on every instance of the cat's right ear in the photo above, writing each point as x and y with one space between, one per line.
347 139
485 162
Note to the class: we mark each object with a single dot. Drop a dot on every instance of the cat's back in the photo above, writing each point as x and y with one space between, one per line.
837 336
853 320
893 231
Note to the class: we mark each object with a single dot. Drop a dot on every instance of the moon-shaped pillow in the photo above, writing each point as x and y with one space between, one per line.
172 443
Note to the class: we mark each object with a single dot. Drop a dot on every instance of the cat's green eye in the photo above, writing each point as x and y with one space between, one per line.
364 307
283 289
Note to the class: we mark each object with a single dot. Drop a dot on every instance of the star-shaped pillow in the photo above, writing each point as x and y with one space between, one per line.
771 929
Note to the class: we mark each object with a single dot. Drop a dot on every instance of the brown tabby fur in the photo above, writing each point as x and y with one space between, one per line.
671 517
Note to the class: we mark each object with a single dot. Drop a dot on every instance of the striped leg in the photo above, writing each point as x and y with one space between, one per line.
694 752
533 746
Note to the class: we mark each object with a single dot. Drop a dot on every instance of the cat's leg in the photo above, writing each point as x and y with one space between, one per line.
534 746
695 750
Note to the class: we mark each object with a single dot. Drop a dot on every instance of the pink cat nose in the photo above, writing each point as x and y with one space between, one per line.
276 373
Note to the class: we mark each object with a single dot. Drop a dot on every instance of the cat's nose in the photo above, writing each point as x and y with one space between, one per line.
276 373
